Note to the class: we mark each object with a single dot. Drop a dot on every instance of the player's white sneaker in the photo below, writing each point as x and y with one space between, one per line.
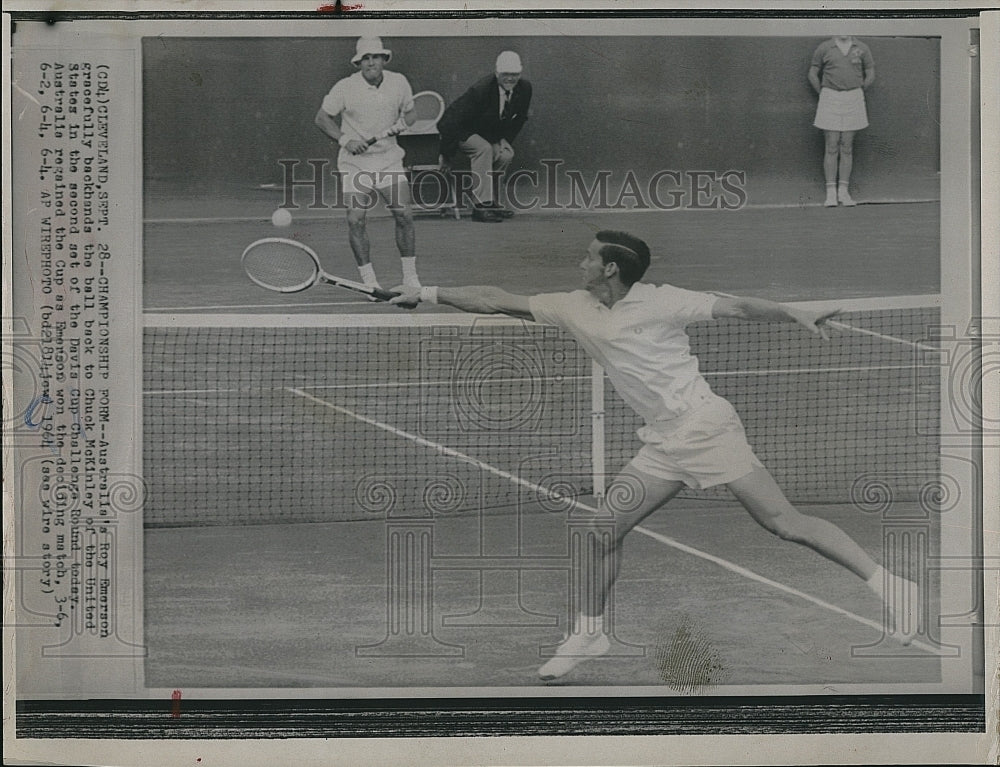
831 197
574 651
845 198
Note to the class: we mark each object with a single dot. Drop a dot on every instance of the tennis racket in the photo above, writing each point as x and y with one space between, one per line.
287 266
428 105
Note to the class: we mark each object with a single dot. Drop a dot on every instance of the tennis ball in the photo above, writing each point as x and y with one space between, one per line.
281 217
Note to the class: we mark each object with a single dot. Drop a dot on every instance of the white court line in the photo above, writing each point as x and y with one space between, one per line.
381 385
400 318
437 446
449 382
154 309
883 336
266 218
751 575
851 305
732 567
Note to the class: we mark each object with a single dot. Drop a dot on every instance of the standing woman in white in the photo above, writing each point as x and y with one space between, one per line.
842 69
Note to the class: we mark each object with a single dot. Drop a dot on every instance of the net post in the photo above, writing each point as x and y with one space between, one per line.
597 439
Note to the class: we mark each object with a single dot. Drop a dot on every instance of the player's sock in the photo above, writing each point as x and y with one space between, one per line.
902 597
589 624
831 196
844 196
410 278
586 641
368 275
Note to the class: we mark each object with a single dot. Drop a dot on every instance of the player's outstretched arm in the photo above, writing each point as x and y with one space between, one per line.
762 310
476 299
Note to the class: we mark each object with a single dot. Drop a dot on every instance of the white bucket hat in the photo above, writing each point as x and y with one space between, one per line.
508 61
368 45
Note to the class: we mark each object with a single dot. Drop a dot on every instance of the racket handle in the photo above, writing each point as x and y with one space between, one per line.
395 130
383 295
382 135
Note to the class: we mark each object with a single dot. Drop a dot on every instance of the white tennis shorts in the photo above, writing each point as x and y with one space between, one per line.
841 110
705 446
370 170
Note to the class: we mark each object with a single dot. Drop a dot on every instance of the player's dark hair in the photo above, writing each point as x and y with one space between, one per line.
630 254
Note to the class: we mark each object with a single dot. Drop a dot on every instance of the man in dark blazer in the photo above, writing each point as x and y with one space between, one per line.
482 123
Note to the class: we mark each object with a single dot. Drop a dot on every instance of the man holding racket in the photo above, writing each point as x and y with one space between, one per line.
692 437
372 105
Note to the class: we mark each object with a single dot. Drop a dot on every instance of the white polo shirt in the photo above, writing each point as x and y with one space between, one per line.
366 110
641 342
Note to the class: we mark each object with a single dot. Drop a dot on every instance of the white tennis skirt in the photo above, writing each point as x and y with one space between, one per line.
841 110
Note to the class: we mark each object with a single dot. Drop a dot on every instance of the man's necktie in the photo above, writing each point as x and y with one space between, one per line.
505 112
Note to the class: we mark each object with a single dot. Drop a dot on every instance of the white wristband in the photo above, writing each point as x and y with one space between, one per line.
343 140
429 295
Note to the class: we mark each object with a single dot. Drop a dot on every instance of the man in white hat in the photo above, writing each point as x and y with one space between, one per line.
370 103
482 123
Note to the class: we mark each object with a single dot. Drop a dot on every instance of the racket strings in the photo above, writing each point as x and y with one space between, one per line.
280 266
427 107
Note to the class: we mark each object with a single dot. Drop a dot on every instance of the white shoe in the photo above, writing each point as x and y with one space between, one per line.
831 199
845 198
574 651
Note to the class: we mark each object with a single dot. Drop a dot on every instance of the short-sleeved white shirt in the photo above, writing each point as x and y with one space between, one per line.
366 110
641 342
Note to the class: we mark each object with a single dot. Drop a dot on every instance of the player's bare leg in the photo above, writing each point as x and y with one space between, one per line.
632 497
831 155
767 504
357 235
845 166
397 199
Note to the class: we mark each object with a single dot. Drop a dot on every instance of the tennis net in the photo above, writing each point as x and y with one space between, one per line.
259 419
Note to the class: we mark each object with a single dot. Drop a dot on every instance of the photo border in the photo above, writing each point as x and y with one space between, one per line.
458 717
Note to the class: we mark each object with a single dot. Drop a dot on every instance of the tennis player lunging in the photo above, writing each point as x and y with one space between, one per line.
692 437
368 103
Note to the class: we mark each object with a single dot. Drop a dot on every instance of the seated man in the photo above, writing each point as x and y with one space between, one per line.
482 123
